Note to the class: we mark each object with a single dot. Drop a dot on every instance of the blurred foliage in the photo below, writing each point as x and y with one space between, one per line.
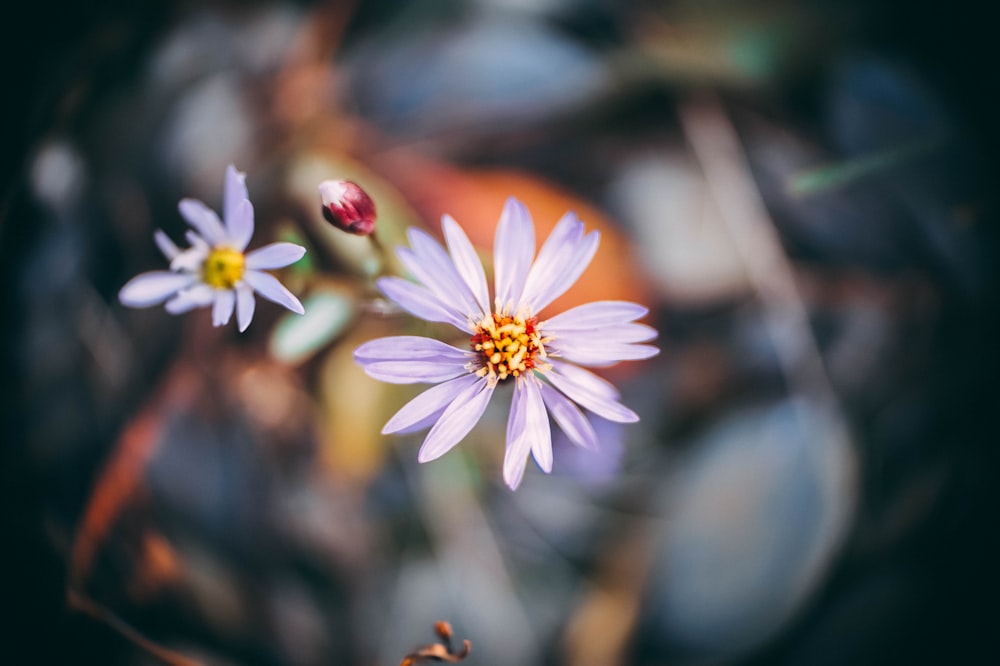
180 492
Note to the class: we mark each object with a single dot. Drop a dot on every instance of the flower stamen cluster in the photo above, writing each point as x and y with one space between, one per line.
223 268
508 346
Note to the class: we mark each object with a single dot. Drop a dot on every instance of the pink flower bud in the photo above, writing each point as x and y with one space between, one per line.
347 207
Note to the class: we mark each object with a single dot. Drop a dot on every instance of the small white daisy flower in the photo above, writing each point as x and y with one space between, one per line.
507 343
215 270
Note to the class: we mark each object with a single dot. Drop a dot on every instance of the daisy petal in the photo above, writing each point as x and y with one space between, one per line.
565 269
275 255
204 220
513 250
198 296
153 288
570 419
234 192
245 305
596 315
425 371
420 302
435 271
563 240
466 261
191 259
407 347
239 225
268 286
222 309
428 404
167 246
599 352
456 421
537 424
583 393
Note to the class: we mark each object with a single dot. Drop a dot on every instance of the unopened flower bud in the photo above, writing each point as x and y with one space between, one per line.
347 207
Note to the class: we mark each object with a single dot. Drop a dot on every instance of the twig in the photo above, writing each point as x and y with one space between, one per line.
727 172
87 606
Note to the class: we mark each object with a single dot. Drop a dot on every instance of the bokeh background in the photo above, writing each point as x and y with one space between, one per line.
802 192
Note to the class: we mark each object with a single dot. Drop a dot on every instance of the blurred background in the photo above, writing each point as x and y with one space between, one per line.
802 192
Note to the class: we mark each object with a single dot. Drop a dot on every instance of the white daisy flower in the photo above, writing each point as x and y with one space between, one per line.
216 270
507 343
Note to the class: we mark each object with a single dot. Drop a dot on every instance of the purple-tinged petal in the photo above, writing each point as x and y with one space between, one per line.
408 347
191 259
433 268
167 246
587 379
245 305
624 333
275 255
198 296
589 393
429 404
457 420
268 286
420 302
234 192
429 370
153 288
569 418
239 225
537 423
513 250
595 315
597 352
562 241
564 270
467 262
222 309
204 220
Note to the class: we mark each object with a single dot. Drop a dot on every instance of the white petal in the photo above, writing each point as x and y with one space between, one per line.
563 240
619 334
437 273
234 192
204 220
537 423
197 296
275 255
191 259
420 302
428 404
518 445
239 225
167 246
513 250
154 287
564 270
467 262
596 315
245 305
598 352
429 370
456 421
587 379
268 286
587 392
403 347
222 309
570 419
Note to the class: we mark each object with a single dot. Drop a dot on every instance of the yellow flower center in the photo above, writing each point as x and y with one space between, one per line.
223 268
509 345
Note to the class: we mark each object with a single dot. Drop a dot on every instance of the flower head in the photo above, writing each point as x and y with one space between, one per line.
347 207
507 343
216 270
